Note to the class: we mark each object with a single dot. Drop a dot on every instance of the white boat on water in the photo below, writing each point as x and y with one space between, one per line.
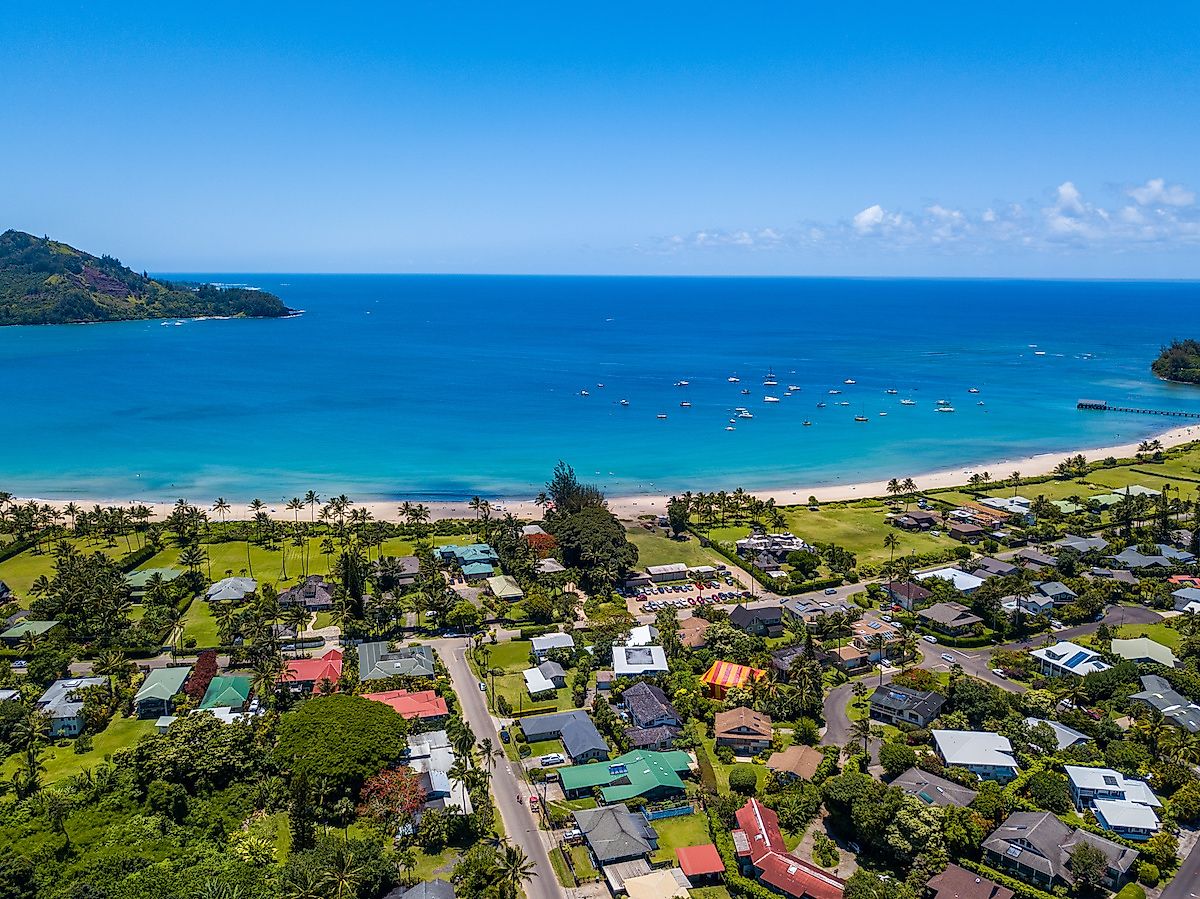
733 379
584 393
745 413
686 404
820 405
973 390
943 402
945 408
793 388
600 386
770 399
891 392
769 380
861 418
849 381
1039 353
908 402
807 423
834 392
729 427
883 413
624 402
682 383
745 391
661 415
844 403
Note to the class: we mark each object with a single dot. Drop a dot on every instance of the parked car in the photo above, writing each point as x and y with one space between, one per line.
504 737
999 672
887 618
482 687
830 591
948 657
929 638
554 758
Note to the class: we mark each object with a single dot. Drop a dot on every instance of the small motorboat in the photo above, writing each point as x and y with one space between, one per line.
793 388
891 392
945 409
729 427
883 413
745 413
770 399
624 402
820 405
807 423
834 392
661 415
787 393
745 391
733 379
844 403
686 404
908 402
980 403
861 418
849 381
682 383
584 393
943 402
973 390
600 386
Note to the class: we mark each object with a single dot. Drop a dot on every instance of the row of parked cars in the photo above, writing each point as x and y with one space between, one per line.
654 605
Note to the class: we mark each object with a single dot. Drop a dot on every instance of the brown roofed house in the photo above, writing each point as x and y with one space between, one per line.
744 730
950 617
959 883
691 632
797 762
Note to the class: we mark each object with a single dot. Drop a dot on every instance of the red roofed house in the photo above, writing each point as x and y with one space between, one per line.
425 704
700 864
762 855
724 676
308 675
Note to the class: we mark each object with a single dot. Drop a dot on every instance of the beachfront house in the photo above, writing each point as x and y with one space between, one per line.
966 532
987 755
62 704
1068 659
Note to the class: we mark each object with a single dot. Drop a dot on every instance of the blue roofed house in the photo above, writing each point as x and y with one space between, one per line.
62 703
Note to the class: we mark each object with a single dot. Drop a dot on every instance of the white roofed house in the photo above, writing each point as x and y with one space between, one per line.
546 642
545 678
963 581
676 571
1124 805
231 589
1065 658
637 661
1066 737
987 755
1144 651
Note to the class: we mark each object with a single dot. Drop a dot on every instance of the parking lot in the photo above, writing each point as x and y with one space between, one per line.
683 596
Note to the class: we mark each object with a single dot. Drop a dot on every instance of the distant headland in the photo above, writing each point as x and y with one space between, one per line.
45 282
1179 362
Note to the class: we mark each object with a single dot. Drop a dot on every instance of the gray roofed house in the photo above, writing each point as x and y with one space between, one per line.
783 659
658 738
5 591
1158 693
893 703
1115 574
1057 591
762 621
989 567
231 589
1031 558
950 617
429 889
1185 598
1132 557
934 790
615 834
1082 544
550 565
648 706
314 594
1066 736
63 703
1036 847
376 661
576 730
546 642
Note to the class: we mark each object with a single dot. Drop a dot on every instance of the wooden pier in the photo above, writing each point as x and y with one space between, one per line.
1102 406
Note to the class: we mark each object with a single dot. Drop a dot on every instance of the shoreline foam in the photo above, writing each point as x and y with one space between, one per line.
630 506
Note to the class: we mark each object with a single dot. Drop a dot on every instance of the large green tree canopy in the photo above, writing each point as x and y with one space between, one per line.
343 739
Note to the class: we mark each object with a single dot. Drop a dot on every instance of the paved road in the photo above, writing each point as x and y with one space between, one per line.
1186 882
506 784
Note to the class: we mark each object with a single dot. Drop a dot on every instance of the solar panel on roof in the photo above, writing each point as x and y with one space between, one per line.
1013 852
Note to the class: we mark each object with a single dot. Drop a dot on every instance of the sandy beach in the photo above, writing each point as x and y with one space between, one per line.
631 506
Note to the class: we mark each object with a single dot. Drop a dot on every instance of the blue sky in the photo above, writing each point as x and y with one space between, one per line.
1048 139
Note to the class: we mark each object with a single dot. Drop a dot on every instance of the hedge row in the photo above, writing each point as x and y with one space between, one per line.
16 548
130 561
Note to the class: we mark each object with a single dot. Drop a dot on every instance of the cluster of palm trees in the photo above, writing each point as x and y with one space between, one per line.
902 487
43 523
722 507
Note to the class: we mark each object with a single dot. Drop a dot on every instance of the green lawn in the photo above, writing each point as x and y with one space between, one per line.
582 862
200 623
512 658
656 549
437 866
1160 632
324 619
709 893
62 762
546 747
686 830
512 687
23 569
722 770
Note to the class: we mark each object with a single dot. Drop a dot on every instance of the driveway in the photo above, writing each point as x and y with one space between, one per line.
1186 882
507 784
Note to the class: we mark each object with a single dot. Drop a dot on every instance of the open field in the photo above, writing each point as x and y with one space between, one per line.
511 658
61 761
200 623
512 688
23 569
657 549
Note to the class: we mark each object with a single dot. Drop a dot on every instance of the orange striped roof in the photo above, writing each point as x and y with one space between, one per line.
727 674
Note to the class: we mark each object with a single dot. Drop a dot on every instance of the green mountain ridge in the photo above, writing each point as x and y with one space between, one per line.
46 282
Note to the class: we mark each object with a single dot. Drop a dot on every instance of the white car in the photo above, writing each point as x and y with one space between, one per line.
929 638
948 657
554 758
999 672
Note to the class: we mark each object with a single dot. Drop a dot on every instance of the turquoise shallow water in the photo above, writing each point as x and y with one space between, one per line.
445 386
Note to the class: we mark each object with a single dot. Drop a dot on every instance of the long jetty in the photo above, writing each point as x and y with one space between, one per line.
1102 406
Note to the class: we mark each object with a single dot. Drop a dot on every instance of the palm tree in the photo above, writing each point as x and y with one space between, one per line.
909 486
862 730
221 507
113 665
891 541
514 868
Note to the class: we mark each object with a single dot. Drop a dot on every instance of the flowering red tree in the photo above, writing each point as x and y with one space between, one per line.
543 545
201 676
392 798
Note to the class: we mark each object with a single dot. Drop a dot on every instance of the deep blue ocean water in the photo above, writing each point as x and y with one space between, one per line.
446 386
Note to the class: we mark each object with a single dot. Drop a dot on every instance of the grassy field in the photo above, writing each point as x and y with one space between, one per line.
61 761
721 770
656 549
511 658
717 892
1160 633
512 687
23 569
437 866
686 830
200 623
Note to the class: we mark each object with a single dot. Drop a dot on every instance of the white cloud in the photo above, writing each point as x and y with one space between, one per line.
1156 192
1161 217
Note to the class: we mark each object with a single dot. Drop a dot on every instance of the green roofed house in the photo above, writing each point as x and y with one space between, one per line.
652 775
17 632
227 692
154 698
1067 507
505 588
139 580
1105 500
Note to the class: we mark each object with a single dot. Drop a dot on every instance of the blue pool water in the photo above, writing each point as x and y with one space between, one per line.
445 386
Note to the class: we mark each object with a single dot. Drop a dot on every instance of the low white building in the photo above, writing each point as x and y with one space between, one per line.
1066 736
546 642
637 661
1145 651
1121 804
963 581
676 571
987 755
1065 658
